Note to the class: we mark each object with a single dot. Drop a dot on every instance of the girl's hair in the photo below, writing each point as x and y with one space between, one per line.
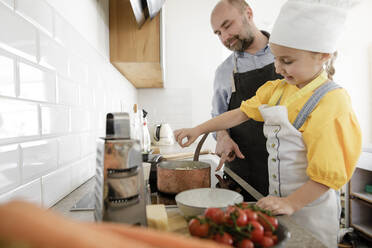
329 67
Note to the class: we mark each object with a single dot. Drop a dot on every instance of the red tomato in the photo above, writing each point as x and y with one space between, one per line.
241 219
275 239
225 238
246 243
257 231
268 233
251 215
244 205
198 229
267 242
215 214
268 221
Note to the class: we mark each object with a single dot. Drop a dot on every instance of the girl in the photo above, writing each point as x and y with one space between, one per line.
313 136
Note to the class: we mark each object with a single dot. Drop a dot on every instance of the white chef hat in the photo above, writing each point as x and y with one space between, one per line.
312 25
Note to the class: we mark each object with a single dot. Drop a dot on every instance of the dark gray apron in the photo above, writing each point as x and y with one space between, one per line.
249 135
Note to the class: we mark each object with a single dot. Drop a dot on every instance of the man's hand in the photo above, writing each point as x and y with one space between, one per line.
226 149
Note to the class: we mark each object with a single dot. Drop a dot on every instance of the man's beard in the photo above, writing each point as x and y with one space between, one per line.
241 43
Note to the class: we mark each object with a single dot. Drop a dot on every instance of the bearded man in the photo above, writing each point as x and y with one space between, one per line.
242 148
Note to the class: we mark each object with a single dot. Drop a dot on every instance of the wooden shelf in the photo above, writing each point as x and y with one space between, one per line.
360 202
135 52
364 228
363 196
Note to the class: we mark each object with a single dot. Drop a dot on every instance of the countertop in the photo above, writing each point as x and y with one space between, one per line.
299 236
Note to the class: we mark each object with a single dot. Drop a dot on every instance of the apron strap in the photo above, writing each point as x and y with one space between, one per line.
313 102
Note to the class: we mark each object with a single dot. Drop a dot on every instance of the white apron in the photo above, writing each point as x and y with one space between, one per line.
287 168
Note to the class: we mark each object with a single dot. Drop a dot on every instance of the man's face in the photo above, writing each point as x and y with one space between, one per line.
232 27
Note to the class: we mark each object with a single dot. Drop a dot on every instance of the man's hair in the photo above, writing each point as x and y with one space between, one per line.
238 4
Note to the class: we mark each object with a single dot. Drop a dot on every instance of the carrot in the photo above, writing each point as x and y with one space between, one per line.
157 238
26 224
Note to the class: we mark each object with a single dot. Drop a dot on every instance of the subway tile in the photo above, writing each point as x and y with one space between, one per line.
54 119
10 176
81 172
37 11
67 91
86 96
80 120
7 82
39 158
88 144
37 84
56 185
69 149
53 55
30 192
23 36
18 119
62 30
78 70
9 3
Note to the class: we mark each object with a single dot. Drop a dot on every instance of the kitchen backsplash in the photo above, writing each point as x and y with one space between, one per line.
55 88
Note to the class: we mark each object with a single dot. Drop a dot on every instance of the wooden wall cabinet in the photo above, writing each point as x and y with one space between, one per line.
360 202
136 53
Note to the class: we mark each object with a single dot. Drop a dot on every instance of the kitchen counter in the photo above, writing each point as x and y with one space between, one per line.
299 236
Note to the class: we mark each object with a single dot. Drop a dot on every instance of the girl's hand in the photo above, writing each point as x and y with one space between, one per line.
277 205
190 133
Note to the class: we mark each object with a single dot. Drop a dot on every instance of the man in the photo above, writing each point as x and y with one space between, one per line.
243 148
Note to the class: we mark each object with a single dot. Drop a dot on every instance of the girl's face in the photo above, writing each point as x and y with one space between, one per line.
298 67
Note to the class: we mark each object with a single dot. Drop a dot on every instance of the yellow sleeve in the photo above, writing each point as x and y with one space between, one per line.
263 94
334 146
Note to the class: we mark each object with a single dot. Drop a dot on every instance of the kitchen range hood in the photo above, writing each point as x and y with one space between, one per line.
144 9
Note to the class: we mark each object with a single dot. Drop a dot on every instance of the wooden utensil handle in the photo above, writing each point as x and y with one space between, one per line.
183 155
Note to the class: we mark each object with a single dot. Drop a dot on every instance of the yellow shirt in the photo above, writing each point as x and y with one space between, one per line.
331 132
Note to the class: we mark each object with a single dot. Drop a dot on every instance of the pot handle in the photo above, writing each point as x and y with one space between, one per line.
198 148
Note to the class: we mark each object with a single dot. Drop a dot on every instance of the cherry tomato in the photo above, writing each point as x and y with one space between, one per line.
268 233
198 229
275 239
251 215
225 238
241 218
257 232
215 214
244 205
246 243
267 242
268 222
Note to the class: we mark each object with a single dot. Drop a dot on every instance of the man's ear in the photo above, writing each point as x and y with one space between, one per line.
249 13
325 57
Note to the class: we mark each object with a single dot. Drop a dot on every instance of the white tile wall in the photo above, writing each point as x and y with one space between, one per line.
38 12
53 54
56 185
39 158
17 34
10 173
53 90
18 119
30 192
36 84
67 91
9 3
69 149
54 119
7 81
